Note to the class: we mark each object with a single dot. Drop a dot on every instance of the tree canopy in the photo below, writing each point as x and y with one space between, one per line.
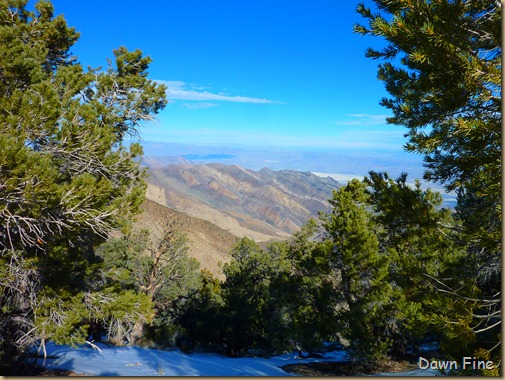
442 69
68 175
64 168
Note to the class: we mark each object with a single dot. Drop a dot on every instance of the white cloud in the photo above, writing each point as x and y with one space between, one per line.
178 90
199 105
363 119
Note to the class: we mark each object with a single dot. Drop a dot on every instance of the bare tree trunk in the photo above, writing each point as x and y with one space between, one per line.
136 333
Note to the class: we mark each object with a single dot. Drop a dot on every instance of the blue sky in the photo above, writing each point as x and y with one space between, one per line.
283 73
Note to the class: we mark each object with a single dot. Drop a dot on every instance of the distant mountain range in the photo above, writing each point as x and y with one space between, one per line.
342 164
350 161
263 205
215 203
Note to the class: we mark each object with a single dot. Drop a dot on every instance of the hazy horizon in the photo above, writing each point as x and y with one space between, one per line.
350 161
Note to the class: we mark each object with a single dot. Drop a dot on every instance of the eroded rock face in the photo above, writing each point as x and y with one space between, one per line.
266 204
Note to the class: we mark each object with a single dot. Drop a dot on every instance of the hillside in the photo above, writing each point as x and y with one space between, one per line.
208 243
262 205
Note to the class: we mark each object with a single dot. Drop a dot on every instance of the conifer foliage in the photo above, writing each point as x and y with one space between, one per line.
442 69
158 268
364 288
66 178
253 315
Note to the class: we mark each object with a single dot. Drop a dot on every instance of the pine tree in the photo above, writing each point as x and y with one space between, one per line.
422 241
253 317
159 269
202 318
67 177
307 291
446 87
364 289
442 68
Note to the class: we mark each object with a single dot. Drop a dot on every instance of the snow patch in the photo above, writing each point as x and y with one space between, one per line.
137 361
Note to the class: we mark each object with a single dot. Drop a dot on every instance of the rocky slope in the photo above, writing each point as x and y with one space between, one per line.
208 243
263 205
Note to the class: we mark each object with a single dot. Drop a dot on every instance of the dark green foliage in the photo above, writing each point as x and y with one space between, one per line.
273 299
447 78
253 317
307 291
66 178
442 68
162 271
391 244
420 237
422 242
202 318
363 285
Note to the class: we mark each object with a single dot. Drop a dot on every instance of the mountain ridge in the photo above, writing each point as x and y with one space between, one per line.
208 243
263 205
